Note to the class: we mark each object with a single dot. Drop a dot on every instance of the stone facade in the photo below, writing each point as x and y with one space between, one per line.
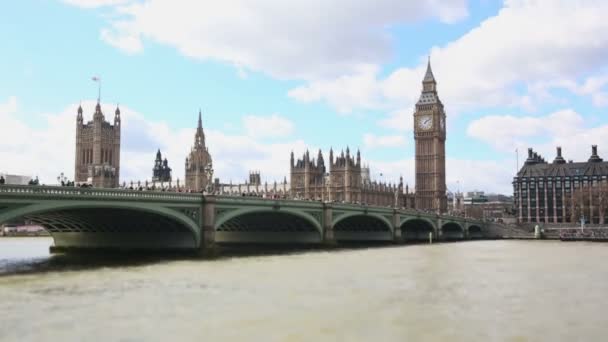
430 136
199 168
161 171
561 192
97 159
345 181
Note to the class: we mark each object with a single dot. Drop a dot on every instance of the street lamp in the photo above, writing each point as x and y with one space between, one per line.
62 179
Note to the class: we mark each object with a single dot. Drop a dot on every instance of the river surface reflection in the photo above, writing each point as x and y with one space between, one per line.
483 290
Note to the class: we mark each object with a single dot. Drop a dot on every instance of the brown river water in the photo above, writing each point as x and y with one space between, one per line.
468 291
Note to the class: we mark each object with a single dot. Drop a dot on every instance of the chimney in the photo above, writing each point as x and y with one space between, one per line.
559 159
530 153
594 157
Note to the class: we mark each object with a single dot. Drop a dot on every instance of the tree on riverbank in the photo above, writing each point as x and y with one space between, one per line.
589 201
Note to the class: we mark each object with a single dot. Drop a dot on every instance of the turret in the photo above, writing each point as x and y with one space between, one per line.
331 156
79 118
117 116
320 161
98 116
291 161
358 158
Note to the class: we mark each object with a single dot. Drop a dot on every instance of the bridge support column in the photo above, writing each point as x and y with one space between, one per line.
439 231
328 230
208 246
397 236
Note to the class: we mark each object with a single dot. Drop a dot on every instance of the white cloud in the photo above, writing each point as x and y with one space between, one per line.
399 120
128 40
48 150
272 126
371 141
512 59
463 174
565 128
298 39
96 3
9 107
358 90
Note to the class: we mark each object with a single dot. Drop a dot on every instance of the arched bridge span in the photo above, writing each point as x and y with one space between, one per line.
362 227
106 224
417 229
267 226
452 231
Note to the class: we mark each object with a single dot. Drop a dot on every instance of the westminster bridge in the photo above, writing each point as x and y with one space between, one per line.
93 218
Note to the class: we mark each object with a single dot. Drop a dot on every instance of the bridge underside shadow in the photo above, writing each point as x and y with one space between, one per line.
108 228
475 232
268 227
416 230
362 228
452 232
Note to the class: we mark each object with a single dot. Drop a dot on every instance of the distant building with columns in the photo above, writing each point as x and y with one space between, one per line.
97 159
560 191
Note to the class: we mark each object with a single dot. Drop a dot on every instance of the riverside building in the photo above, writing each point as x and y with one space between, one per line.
560 191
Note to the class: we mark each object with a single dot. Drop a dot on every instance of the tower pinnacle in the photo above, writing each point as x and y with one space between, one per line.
200 120
429 77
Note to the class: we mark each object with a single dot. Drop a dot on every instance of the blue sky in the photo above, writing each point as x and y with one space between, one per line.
272 77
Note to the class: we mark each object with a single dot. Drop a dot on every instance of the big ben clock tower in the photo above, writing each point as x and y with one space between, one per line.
429 134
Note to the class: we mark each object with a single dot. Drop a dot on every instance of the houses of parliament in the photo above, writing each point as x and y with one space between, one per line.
344 178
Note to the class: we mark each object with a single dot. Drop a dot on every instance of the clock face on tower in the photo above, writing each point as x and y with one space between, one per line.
425 122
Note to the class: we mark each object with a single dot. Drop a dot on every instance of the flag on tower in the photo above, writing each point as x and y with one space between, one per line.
95 78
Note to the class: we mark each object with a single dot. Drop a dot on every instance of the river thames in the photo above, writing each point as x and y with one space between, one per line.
482 290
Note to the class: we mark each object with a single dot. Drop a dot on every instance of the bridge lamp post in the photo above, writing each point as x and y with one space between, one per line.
62 179
209 174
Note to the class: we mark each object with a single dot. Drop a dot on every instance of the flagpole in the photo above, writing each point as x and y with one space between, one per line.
98 80
517 156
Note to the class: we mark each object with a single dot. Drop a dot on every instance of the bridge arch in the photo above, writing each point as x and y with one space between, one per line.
475 231
219 221
379 217
129 225
452 231
417 228
266 225
362 227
